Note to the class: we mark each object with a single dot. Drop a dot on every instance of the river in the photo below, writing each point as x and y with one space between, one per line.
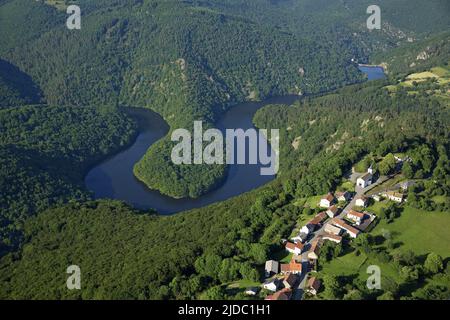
114 178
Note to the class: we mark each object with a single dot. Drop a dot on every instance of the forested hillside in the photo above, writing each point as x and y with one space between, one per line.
417 56
44 154
127 254
61 98
16 87
191 59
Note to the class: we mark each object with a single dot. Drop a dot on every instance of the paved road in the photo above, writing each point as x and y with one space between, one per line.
298 292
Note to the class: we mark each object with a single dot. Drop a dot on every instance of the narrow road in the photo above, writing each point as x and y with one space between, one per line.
298 293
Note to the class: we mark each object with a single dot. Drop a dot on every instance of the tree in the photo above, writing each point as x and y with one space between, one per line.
386 296
409 274
408 170
332 287
434 263
248 272
229 270
387 165
214 293
208 265
258 252
354 294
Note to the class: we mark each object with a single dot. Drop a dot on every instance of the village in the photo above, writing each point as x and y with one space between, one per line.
342 215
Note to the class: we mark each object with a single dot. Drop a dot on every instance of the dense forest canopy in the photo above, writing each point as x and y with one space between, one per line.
61 94
189 60
45 152
129 254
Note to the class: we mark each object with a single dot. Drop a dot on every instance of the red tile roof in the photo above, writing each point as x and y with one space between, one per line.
329 197
333 209
292 246
283 294
328 236
318 218
356 214
345 226
291 267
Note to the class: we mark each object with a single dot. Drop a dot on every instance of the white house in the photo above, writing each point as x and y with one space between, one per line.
356 216
306 229
343 196
394 196
271 285
353 232
376 197
295 248
327 201
332 211
361 201
272 267
365 180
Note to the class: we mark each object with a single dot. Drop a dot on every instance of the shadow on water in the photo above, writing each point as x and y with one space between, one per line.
114 177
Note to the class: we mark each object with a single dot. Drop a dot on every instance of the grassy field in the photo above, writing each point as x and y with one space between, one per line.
282 256
417 230
441 74
420 231
356 266
312 202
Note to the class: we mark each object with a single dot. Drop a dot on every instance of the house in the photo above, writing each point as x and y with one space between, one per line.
272 267
329 228
406 184
332 211
291 267
284 294
302 237
365 180
353 232
314 223
371 170
253 291
343 196
376 197
290 280
306 229
362 201
332 237
313 286
272 285
356 217
313 253
394 196
295 248
318 219
327 201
